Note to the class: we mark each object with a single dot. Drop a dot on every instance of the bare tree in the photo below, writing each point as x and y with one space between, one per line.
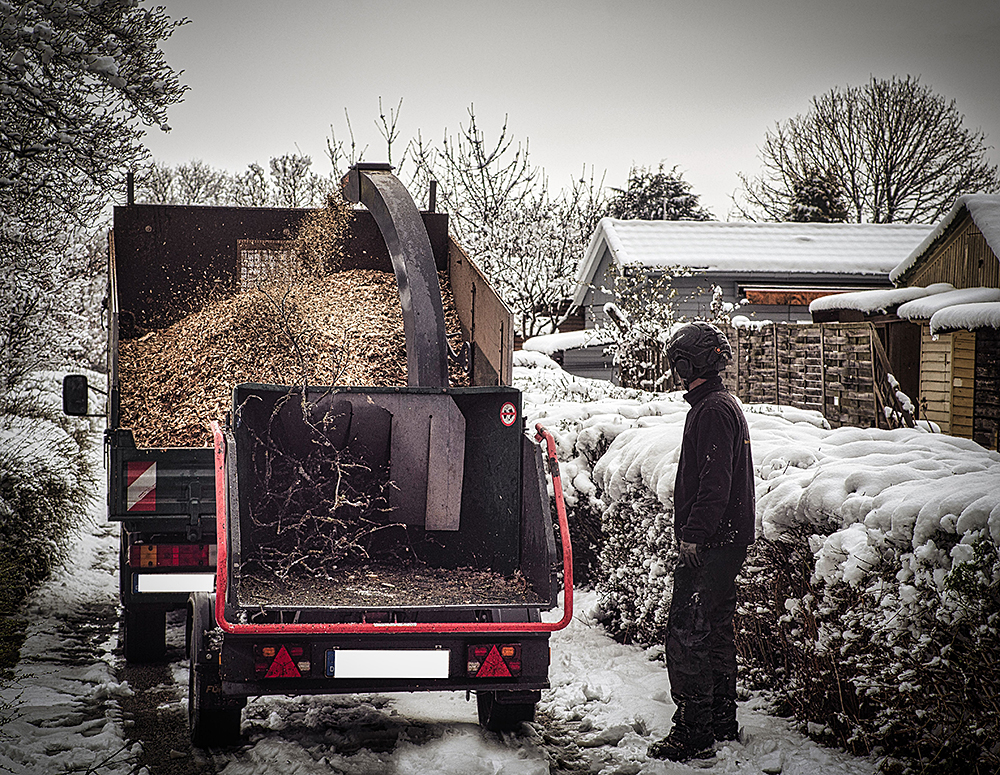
157 184
295 184
77 79
480 178
251 189
527 241
896 151
198 183
190 183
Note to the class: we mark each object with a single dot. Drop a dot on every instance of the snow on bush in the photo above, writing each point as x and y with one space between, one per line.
869 603
44 476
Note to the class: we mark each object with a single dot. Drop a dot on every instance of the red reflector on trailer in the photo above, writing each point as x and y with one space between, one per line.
492 660
493 666
283 666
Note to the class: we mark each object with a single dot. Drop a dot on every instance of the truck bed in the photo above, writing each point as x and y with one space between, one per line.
386 586
347 329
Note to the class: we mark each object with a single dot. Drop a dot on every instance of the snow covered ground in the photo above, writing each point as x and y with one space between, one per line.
606 704
69 705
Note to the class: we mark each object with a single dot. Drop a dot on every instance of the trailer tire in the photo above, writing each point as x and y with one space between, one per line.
144 631
505 711
213 720
144 635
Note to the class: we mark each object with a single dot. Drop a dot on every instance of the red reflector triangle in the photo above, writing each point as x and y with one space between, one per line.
493 666
283 666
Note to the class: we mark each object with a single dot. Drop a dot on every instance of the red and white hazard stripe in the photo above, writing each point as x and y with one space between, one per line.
141 495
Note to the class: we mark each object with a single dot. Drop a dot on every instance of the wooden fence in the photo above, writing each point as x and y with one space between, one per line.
838 369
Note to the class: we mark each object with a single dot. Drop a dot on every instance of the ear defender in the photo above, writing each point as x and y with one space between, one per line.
682 367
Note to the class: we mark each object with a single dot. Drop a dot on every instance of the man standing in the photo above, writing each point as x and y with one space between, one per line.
714 525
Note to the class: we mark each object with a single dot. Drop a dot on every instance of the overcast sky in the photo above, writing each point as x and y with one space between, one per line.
591 84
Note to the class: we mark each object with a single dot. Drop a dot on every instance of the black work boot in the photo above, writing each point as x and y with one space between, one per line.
678 751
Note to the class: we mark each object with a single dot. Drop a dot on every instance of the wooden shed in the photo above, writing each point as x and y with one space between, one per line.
940 324
959 330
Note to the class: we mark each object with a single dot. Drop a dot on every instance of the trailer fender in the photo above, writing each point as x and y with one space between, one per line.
213 718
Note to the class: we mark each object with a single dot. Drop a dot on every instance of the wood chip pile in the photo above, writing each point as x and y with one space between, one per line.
342 329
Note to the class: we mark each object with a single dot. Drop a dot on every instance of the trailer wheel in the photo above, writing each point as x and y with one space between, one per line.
144 632
144 635
505 711
214 720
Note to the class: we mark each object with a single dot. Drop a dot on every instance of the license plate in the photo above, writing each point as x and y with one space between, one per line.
173 582
387 663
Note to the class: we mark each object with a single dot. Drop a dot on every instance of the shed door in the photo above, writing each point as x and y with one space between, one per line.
947 377
963 378
935 378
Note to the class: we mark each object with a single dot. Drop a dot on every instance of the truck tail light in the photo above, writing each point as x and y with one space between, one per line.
280 660
494 660
172 555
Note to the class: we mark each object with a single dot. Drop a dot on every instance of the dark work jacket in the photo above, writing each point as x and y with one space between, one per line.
714 490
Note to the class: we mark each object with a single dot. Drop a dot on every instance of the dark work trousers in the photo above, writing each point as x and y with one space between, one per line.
701 652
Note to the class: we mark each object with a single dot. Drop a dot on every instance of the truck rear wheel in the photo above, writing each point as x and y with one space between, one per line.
214 720
144 631
144 635
505 711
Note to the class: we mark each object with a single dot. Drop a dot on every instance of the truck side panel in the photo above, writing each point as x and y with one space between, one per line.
486 321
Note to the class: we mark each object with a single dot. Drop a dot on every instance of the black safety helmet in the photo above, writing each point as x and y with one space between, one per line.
698 349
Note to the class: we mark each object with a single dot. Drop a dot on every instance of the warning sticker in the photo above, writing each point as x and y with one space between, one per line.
508 414
141 492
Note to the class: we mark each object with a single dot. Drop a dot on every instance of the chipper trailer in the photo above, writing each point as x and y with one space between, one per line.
380 538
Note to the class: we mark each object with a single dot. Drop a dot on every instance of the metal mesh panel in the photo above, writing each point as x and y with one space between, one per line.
265 261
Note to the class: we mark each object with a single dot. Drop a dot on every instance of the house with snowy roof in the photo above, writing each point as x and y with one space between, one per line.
773 269
941 323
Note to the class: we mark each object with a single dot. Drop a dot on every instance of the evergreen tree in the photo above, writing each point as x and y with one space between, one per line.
662 195
816 198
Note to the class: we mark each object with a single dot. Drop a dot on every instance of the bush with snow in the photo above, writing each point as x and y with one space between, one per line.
45 478
869 604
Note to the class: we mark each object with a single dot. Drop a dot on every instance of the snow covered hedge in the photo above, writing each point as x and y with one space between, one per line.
871 601
45 468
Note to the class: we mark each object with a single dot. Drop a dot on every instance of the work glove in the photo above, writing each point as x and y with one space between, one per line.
689 554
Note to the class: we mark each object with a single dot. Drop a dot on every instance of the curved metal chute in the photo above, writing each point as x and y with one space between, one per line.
405 235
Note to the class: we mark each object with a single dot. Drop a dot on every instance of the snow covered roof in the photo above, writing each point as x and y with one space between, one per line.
926 307
569 340
985 212
984 314
876 301
717 246
946 307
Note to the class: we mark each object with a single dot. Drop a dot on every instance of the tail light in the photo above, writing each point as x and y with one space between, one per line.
281 660
172 555
494 660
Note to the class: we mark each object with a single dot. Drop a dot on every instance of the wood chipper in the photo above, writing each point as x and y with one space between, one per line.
380 538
